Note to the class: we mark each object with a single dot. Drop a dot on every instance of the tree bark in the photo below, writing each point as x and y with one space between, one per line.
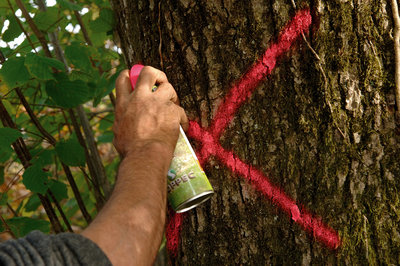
321 126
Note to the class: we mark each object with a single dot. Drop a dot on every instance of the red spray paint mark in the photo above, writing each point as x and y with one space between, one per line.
210 146
173 231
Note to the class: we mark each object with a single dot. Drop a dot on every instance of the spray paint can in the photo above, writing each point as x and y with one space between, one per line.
187 184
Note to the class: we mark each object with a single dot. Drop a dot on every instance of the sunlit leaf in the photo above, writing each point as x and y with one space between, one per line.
67 93
71 152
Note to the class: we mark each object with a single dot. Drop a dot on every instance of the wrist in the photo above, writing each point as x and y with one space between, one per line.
151 147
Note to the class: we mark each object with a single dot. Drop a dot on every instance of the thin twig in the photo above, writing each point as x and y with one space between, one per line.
60 210
24 156
112 99
12 210
21 26
34 119
396 39
92 153
93 114
89 42
52 215
67 171
8 229
34 28
97 192
83 28
12 182
320 68
67 122
52 141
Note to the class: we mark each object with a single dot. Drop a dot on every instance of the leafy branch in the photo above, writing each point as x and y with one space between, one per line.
45 80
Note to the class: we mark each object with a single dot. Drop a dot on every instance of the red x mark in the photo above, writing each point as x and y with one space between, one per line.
210 146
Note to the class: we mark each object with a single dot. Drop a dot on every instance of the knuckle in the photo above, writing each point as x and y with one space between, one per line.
148 70
162 75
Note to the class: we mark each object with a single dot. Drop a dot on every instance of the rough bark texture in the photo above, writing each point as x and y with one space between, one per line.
331 144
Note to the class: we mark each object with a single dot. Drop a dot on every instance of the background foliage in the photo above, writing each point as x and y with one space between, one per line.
59 65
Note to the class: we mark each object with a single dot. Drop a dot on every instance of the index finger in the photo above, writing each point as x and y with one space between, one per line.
123 90
148 77
122 85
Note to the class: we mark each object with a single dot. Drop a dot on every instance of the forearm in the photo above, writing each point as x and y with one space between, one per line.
129 228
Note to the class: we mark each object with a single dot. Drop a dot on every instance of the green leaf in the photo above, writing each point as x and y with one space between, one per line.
98 38
25 46
43 157
5 154
104 23
68 5
9 107
35 179
14 72
78 55
49 19
107 122
33 203
59 189
13 31
40 66
21 226
71 207
6 51
8 136
78 74
71 152
106 137
1 174
3 199
66 93
105 89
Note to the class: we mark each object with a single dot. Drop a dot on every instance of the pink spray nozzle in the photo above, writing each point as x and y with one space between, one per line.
134 74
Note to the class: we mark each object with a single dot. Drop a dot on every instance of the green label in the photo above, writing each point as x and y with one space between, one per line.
186 178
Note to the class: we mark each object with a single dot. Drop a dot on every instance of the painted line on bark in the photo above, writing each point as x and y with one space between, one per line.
210 146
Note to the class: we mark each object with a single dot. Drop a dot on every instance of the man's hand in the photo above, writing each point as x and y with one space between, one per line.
143 117
129 228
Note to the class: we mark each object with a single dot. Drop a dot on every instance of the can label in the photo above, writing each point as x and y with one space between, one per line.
187 184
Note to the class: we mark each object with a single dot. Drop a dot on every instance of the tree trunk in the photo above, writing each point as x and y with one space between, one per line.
320 125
